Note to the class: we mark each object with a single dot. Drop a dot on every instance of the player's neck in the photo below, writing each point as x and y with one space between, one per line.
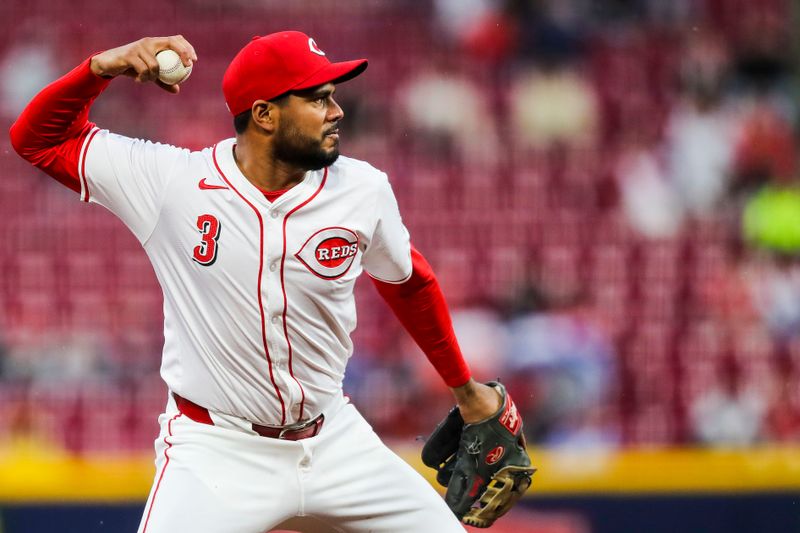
263 170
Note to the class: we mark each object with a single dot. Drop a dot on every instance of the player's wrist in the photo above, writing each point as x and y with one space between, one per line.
95 65
477 401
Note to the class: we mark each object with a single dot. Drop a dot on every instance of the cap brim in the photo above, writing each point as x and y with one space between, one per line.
333 73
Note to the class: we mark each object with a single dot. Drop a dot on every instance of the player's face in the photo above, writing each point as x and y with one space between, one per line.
308 133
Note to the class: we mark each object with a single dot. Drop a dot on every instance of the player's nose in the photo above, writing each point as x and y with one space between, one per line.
335 112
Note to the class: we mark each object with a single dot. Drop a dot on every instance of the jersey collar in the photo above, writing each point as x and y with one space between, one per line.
223 155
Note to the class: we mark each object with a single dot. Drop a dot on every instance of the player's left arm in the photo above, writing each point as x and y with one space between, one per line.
479 450
421 307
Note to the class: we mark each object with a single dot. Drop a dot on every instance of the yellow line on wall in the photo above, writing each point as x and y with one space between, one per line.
32 473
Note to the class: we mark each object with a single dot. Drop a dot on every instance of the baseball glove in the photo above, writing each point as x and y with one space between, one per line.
484 465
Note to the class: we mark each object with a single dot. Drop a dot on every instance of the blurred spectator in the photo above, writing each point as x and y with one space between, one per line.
565 361
551 105
382 389
26 67
550 32
449 114
596 428
675 13
460 18
53 358
757 288
729 414
481 28
783 417
650 204
762 46
483 338
775 291
766 149
703 128
726 289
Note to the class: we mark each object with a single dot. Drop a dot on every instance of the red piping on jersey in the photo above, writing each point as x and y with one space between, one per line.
283 288
260 272
166 463
83 165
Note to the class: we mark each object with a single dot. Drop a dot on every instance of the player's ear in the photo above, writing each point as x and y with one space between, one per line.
265 115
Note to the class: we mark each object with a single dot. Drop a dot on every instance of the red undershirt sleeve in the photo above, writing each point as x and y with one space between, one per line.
420 306
51 130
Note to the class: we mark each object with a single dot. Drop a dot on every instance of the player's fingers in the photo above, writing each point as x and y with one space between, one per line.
151 46
174 89
129 72
184 49
140 68
152 67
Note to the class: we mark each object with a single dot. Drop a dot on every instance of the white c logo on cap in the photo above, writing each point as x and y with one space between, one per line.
314 48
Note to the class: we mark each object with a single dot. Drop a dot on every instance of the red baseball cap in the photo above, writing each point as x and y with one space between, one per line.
278 63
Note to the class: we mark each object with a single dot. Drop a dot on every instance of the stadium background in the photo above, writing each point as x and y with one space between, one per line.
607 191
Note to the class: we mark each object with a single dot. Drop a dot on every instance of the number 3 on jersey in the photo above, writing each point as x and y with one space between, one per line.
205 253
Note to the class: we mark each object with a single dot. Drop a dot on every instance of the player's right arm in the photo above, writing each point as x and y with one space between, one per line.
51 129
54 133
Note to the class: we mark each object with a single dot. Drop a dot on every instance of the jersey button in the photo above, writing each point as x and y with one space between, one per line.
274 319
273 267
275 214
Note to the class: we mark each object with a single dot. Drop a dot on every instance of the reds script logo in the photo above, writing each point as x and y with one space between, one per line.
329 252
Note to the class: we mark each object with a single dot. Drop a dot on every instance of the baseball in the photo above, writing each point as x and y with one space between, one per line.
170 68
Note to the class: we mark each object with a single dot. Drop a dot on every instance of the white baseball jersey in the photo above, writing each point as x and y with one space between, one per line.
258 296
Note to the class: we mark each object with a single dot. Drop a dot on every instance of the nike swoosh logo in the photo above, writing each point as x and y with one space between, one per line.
207 186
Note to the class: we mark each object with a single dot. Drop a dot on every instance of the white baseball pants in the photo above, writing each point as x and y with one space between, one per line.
212 479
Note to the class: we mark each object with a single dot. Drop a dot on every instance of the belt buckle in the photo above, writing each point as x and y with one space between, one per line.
314 422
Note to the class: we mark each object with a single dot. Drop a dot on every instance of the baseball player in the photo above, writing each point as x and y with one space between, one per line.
257 242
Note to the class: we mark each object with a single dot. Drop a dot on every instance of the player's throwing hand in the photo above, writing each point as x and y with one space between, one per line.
138 59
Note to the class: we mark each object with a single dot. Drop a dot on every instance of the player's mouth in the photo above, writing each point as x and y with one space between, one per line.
333 134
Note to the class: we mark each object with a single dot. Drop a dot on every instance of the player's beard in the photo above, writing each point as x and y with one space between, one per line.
296 148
